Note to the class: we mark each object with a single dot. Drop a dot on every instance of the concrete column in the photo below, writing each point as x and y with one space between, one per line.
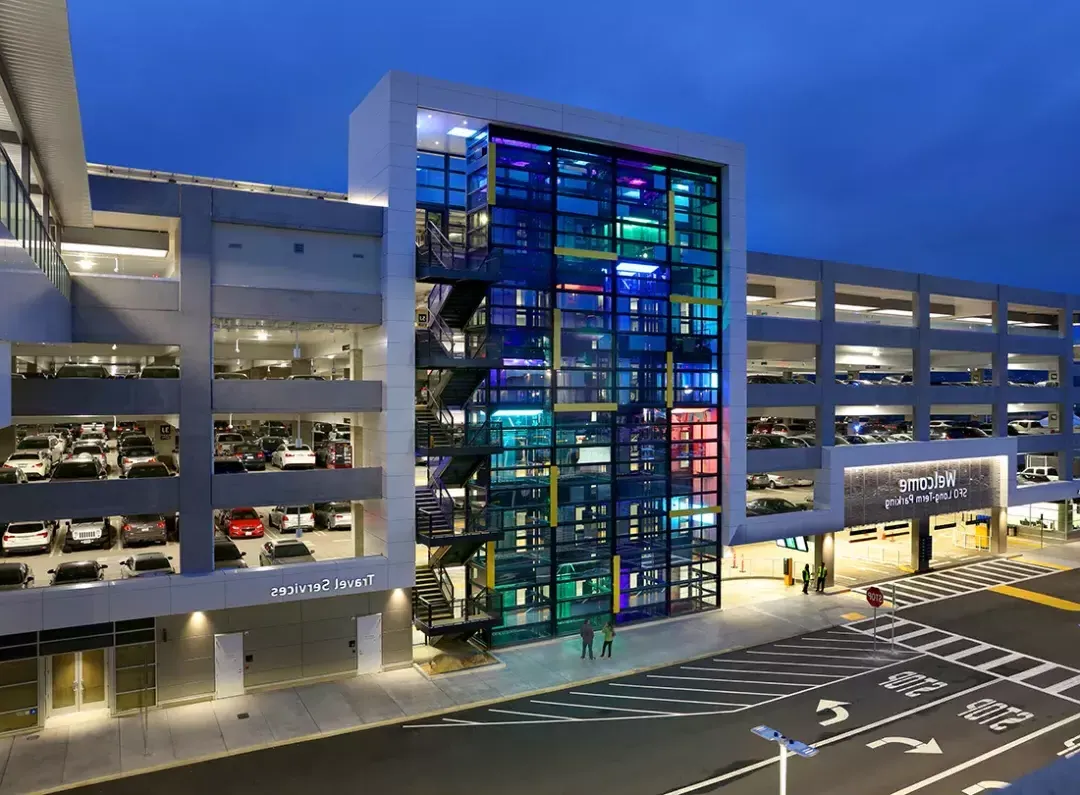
300 367
195 335
824 552
1068 392
920 528
1064 519
1000 364
999 531
306 431
24 167
356 432
7 441
825 371
920 376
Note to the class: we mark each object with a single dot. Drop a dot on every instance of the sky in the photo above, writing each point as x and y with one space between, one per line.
938 137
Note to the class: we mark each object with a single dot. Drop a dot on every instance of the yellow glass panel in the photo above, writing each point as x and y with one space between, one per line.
63 680
93 676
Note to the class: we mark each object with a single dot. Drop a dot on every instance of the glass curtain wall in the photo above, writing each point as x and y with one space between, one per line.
608 314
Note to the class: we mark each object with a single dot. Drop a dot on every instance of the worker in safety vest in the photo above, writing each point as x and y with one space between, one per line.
806 578
821 574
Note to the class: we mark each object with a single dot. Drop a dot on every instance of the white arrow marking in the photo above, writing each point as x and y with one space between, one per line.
982 786
837 707
917 746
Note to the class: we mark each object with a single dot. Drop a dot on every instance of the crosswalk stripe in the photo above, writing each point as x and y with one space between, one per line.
1032 672
903 638
604 706
1008 568
760 673
937 643
1008 658
532 714
967 577
836 640
804 654
978 647
654 698
1028 567
925 586
808 665
745 681
821 648
713 690
1066 685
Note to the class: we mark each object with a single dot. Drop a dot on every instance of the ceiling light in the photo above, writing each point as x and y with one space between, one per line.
459 132
85 264
939 314
752 298
853 307
94 360
636 267
100 248
805 303
894 312
518 413
983 320
263 336
114 346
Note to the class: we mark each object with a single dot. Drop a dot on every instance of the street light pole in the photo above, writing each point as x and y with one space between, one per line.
783 769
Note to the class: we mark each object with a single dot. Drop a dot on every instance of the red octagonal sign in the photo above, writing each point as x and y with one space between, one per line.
874 597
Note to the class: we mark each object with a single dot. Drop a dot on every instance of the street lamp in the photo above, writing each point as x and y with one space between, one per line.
786 744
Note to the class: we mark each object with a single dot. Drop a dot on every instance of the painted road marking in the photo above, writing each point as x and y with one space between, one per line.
1063 686
808 665
861 641
594 707
914 634
1038 598
978 760
654 698
914 746
532 714
1008 658
758 673
980 647
837 708
1031 672
983 786
819 656
710 679
772 760
740 681
825 648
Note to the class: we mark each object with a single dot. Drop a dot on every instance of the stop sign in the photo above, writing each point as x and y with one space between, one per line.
874 597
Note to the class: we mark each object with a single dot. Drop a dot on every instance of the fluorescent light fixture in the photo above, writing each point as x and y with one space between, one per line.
853 307
985 321
636 267
1029 324
753 298
460 132
118 251
939 314
517 413
85 264
894 312
633 219
261 335
805 303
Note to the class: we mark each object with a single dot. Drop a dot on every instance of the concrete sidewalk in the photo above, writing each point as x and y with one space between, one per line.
103 747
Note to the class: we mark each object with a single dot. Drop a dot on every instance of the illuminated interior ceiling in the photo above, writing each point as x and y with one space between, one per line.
47 357
438 131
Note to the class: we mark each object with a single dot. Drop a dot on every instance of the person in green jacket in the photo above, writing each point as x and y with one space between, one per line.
822 573
609 637
806 579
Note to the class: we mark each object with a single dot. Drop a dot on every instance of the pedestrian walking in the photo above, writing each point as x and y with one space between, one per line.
806 578
609 637
586 633
821 574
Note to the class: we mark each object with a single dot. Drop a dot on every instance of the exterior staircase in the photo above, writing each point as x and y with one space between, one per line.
431 518
427 586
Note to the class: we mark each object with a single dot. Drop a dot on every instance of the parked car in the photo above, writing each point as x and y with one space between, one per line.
147 469
1049 473
305 378
250 455
1029 427
333 515
804 440
334 455
268 444
15 576
71 370
92 428
788 481
293 456
287 518
769 505
757 480
285 552
228 466
227 555
160 371
224 442
241 523
142 528
274 428
766 441
10 475
50 445
146 564
133 439
862 438
33 464
960 432
900 437
89 532
92 449
79 469
170 462
230 377
74 571
135 455
28 537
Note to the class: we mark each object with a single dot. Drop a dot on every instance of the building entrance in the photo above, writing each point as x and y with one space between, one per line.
77 682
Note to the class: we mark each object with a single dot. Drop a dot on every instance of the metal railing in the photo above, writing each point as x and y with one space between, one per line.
24 222
463 611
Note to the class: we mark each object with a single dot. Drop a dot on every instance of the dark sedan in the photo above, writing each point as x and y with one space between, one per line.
74 571
769 505
148 469
284 553
251 456
15 576
80 469
269 444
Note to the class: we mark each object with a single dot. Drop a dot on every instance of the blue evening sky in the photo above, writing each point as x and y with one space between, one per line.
924 135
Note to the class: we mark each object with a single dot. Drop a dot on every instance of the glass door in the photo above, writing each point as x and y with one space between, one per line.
77 682
64 683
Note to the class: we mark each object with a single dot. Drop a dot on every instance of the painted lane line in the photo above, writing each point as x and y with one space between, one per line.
1014 572
654 698
760 673
847 632
868 652
1038 598
532 714
915 634
808 665
740 681
818 656
710 679
1008 658
968 578
772 760
937 643
462 722
934 590
1032 672
976 649
688 689
983 786
1025 567
978 760
602 707
1060 687
859 641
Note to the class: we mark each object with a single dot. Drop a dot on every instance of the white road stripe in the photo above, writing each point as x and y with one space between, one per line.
819 656
1032 672
532 714
807 665
1008 658
1028 567
903 638
710 679
653 698
825 648
859 641
1063 686
762 673
462 722
603 707
968 578
935 644
920 587
978 647
1013 569
743 681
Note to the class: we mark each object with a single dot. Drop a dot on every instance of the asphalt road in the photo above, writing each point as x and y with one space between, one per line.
961 713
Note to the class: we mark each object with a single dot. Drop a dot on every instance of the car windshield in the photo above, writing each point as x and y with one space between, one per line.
293 550
92 449
230 437
136 440
230 376
160 372
73 572
298 448
340 506
8 475
25 527
11 573
34 444
298 509
86 468
226 552
138 452
82 371
89 520
245 513
155 470
151 561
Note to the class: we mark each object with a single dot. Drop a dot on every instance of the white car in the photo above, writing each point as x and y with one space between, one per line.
787 481
289 517
52 445
289 456
134 455
92 428
92 450
35 464
224 443
1029 427
900 437
28 537
1039 473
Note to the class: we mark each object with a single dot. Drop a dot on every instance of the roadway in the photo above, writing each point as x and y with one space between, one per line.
944 710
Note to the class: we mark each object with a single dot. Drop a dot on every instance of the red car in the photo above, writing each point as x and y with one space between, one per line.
241 523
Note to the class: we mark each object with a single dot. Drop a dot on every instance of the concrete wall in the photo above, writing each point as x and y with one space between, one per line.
286 642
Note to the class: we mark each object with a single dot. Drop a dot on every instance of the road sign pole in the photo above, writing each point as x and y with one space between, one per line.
875 630
783 769
892 622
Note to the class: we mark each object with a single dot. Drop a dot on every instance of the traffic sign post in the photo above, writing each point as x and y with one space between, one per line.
875 598
892 622
786 745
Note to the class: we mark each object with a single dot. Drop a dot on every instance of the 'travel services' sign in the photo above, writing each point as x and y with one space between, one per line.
325 585
895 492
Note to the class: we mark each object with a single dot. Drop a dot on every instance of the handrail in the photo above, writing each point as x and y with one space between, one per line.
437 297
462 610
24 222
446 585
